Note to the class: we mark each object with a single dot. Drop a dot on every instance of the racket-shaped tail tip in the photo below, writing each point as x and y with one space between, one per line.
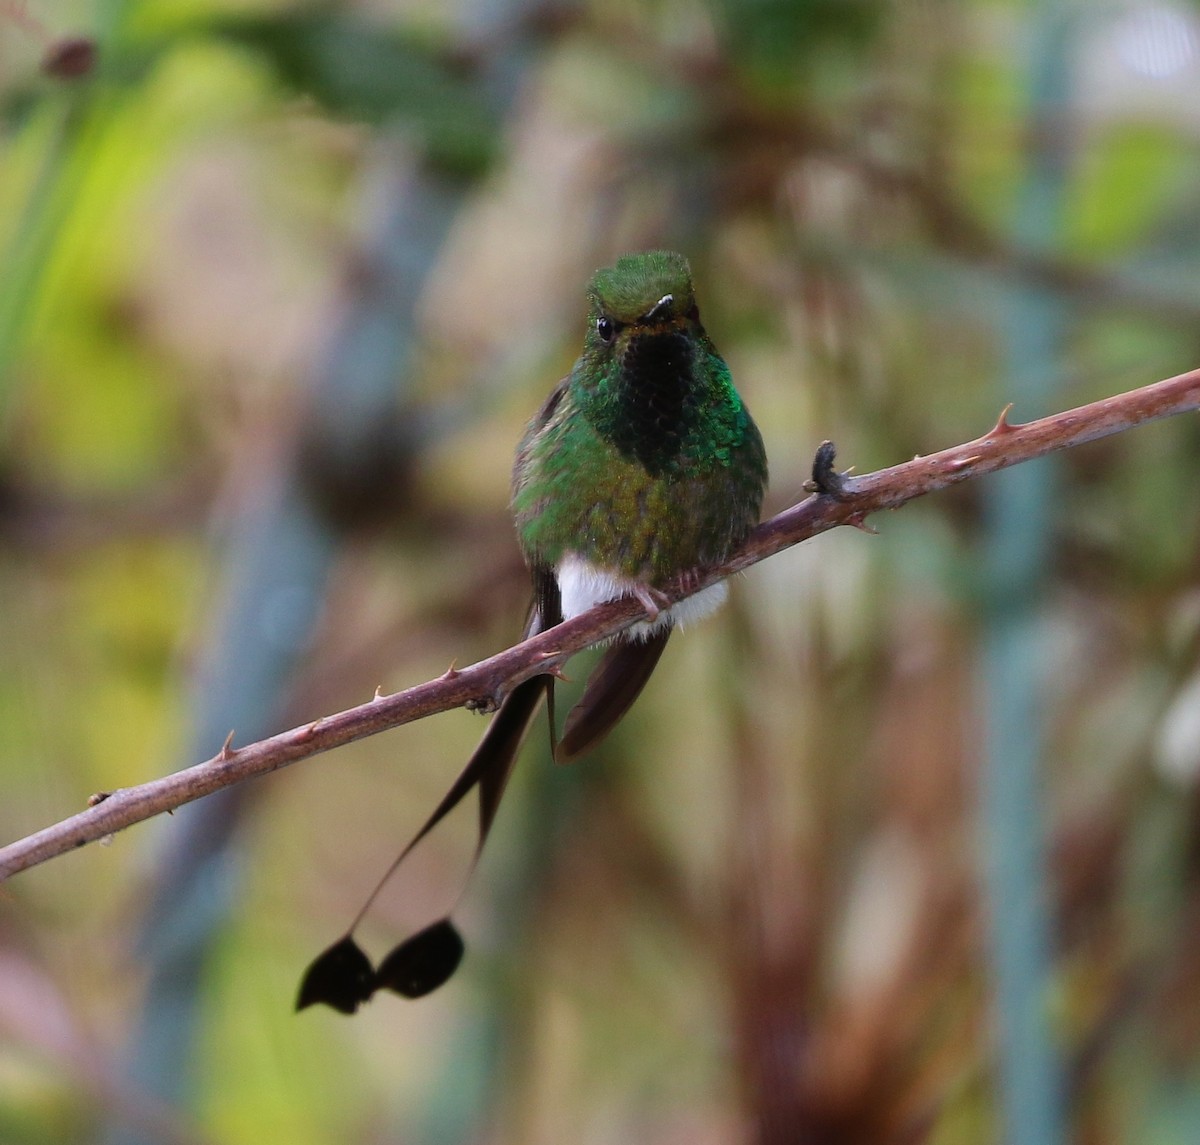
341 977
421 964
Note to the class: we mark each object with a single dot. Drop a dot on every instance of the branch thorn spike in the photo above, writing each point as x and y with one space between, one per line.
1003 425
228 751
859 521
378 693
452 671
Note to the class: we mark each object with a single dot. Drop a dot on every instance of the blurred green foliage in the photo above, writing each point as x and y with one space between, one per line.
358 69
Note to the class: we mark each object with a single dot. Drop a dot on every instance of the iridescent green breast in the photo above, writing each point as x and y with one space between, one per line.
609 494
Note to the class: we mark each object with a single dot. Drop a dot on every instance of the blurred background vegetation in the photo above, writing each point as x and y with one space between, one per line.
902 847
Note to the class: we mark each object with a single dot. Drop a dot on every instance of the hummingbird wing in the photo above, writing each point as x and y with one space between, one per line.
612 687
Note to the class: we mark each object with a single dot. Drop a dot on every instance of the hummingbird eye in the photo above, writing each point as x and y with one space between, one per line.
606 328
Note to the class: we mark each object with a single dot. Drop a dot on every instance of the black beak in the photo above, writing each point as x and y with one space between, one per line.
661 309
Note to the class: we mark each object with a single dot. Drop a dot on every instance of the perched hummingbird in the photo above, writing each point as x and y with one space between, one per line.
642 466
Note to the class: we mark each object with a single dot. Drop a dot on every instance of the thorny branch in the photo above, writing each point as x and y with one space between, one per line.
837 499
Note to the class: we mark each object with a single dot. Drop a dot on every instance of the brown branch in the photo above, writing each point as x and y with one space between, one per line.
839 501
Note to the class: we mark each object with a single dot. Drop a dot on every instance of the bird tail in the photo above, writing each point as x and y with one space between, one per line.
342 976
611 689
489 768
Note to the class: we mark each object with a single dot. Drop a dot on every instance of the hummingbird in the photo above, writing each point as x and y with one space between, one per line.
642 467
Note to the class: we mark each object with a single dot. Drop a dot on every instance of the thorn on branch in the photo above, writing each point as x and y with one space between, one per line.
378 693
859 522
228 751
98 797
1003 425
554 670
451 672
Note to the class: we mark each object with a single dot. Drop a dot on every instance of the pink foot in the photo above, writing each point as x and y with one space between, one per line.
650 599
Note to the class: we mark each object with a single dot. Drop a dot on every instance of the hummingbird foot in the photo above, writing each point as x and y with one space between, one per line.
689 581
583 585
650 599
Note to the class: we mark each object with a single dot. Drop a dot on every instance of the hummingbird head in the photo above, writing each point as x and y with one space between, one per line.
641 295
647 361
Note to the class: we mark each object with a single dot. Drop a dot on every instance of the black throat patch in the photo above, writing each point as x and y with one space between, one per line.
655 405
